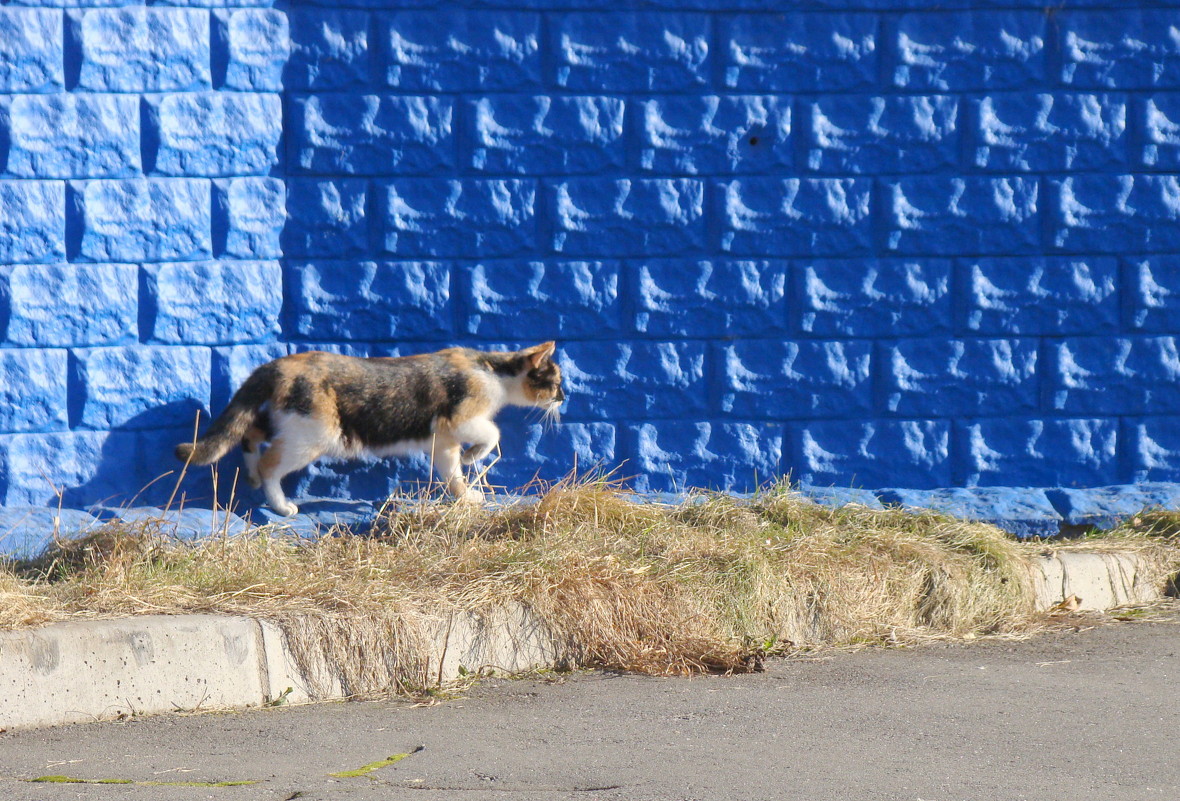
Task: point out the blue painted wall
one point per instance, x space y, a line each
867 242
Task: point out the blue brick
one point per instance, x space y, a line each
538 135
838 497
906 453
790 52
710 298
257 44
458 51
1153 446
141 49
1104 507
875 298
596 216
635 51
1041 296
1161 132
1022 511
213 133
138 387
26 532
561 300
870 135
1038 453
32 390
441 218
613 380
938 377
348 134
140 220
1108 375
1116 213
975 50
250 217
210 303
550 454
188 523
786 380
32 221
328 218
793 216
70 135
1035 133
1124 49
31 48
707 134
51 469
1153 290
232 365
385 301
678 456
43 305
329 49
957 216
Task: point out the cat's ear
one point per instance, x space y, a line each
539 354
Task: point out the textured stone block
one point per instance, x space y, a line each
787 380
545 135
959 51
1161 132
615 380
1022 511
26 532
847 453
138 387
794 216
874 298
677 456
333 134
69 136
249 217
634 51
253 46
212 133
232 365
596 216
474 218
32 221
710 298
937 377
31 48
32 390
139 220
545 301
791 52
550 454
461 50
1108 375
1104 507
1153 448
140 49
953 216
838 497
1153 293
326 218
1038 453
329 49
706 134
384 301
1040 296
1116 213
858 134
212 303
1125 48
44 305
1035 133
71 468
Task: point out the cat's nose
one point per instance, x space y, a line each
560 395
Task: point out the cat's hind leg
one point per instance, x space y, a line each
300 441
252 454
483 436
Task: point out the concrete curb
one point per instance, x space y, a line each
105 669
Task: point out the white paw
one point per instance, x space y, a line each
286 508
472 495
474 453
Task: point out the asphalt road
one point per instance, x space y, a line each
1073 714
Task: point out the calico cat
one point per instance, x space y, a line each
321 404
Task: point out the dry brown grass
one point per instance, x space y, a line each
713 583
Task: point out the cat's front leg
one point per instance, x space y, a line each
483 435
448 463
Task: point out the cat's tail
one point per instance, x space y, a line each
231 426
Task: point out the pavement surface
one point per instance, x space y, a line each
1088 711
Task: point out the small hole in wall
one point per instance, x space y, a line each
753 140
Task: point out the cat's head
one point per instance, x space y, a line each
541 378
